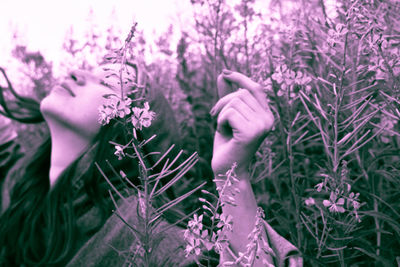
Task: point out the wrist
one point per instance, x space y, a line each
241 171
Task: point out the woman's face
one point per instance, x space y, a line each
74 104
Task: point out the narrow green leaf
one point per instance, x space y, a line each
353 148
163 156
355 102
352 134
178 176
177 200
108 181
361 90
300 138
354 115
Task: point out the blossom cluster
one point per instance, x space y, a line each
195 236
198 238
226 186
336 35
257 246
340 197
287 79
115 107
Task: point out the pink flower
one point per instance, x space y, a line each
196 224
142 117
104 116
193 246
278 76
334 204
319 186
309 201
114 107
225 222
353 200
123 107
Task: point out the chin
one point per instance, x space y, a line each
46 104
58 116
51 106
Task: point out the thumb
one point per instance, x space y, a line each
224 86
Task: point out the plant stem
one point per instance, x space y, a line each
338 100
293 186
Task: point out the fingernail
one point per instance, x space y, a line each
212 112
226 72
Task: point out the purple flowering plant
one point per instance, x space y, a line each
131 108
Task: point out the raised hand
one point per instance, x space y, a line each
244 119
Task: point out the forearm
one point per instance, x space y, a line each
243 217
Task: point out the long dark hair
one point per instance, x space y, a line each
39 225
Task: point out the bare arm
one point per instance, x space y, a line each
244 119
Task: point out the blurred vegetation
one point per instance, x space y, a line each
332 74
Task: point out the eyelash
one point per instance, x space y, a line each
102 82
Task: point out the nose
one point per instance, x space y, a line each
78 78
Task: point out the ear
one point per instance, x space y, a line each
224 86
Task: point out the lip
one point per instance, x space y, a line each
65 86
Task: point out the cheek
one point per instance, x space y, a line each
86 113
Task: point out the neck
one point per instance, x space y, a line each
66 147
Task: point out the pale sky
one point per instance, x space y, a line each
42 24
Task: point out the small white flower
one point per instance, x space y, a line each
114 107
279 74
119 152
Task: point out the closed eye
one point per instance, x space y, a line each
102 82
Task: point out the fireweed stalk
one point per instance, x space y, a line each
200 237
135 116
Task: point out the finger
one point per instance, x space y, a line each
230 121
224 86
245 82
240 106
262 120
242 94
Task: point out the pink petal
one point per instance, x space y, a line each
340 201
326 203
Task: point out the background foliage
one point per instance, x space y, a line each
328 174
